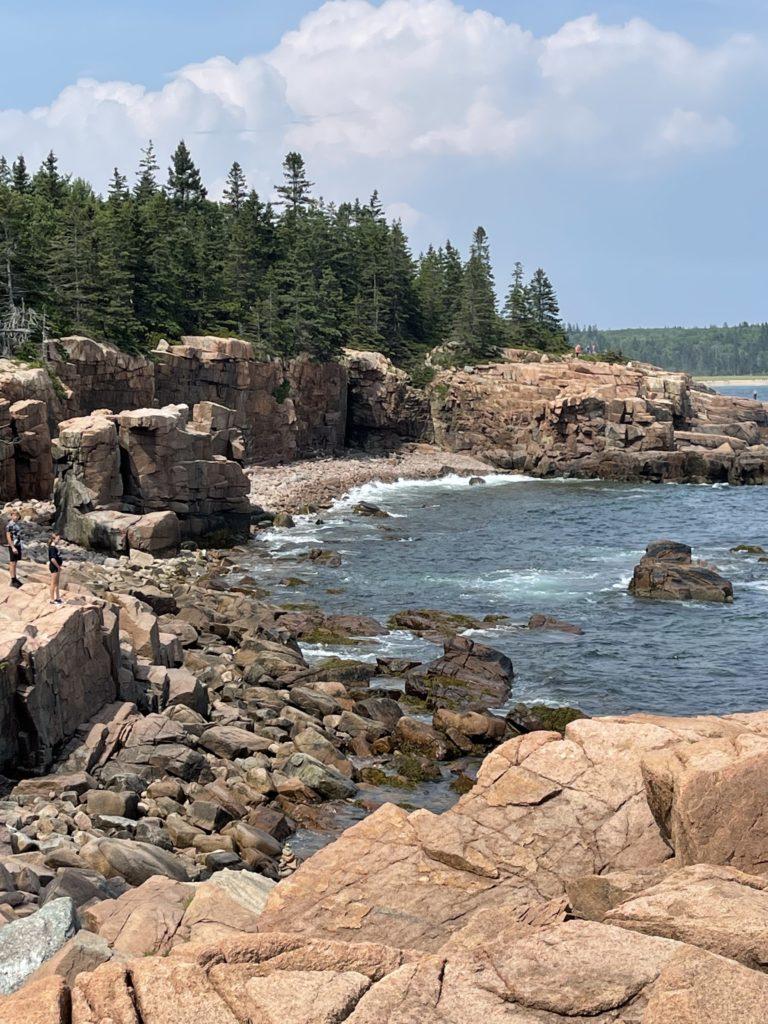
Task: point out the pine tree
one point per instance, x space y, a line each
48 183
237 189
296 191
545 313
146 180
475 336
185 185
517 312
5 173
19 175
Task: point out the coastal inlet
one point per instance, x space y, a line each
516 546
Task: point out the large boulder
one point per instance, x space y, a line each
58 667
668 573
553 973
715 908
147 478
133 861
709 801
26 944
468 676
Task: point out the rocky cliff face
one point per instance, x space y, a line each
383 407
581 418
96 375
284 409
149 478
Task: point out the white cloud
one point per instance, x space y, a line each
410 81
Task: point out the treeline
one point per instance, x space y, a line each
160 259
706 351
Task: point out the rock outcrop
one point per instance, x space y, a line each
98 375
26 465
667 572
58 666
284 409
552 416
571 417
383 407
149 478
547 893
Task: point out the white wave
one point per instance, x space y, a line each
381 490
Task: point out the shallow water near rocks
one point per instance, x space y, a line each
517 546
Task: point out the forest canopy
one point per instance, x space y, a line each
157 257
706 351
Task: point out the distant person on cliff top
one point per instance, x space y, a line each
13 540
754 395
577 351
55 562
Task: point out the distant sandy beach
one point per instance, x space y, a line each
714 382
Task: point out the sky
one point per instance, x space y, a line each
620 145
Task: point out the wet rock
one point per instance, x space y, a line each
26 945
532 717
549 622
429 622
366 509
321 556
468 676
283 520
413 736
668 573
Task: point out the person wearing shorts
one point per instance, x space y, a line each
13 540
55 562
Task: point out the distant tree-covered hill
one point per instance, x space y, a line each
730 351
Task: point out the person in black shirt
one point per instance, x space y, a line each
55 562
13 540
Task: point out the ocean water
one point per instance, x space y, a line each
745 391
516 546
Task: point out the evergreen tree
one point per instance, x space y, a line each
142 262
146 180
547 326
296 191
517 312
19 175
48 183
185 186
475 336
237 189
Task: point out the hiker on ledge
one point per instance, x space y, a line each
13 540
55 562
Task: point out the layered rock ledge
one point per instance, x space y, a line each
585 877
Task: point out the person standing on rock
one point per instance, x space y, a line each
55 562
13 540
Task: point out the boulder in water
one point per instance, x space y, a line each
667 572
541 621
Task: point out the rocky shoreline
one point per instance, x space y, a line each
318 482
164 735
